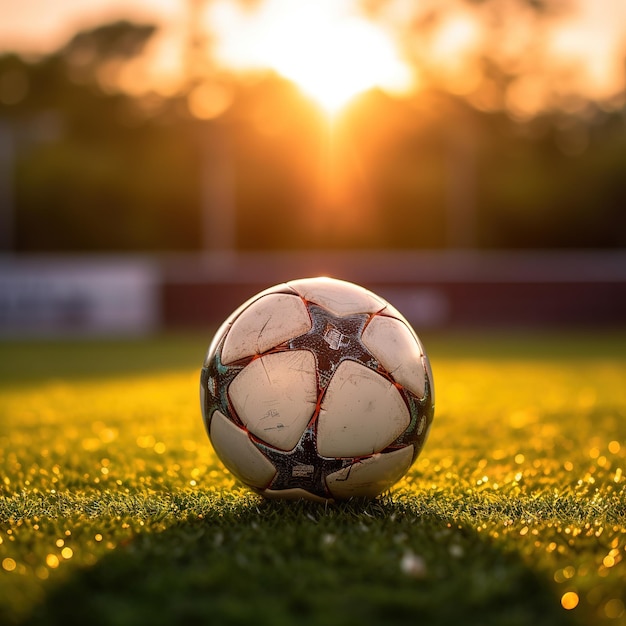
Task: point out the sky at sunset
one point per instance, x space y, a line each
41 25
594 37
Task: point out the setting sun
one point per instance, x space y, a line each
332 54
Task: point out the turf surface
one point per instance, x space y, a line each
114 509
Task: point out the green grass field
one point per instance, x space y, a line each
114 509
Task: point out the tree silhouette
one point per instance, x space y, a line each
92 168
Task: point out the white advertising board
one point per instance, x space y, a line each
45 296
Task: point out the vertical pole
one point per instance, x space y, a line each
197 41
461 227
7 197
217 196
218 184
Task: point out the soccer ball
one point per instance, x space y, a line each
317 388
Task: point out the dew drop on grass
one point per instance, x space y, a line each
42 573
614 609
52 561
67 553
9 564
569 600
614 447
608 561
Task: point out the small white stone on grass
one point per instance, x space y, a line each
413 565
456 551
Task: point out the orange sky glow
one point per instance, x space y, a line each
327 48
331 49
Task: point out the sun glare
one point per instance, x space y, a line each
331 53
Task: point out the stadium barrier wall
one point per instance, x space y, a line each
135 294
432 289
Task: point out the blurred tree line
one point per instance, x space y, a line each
86 167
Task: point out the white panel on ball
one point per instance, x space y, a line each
361 413
275 396
371 476
266 323
339 297
238 453
396 349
